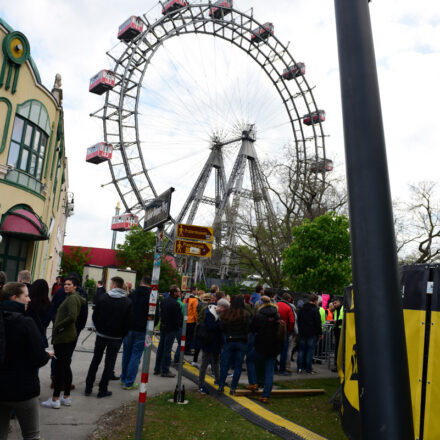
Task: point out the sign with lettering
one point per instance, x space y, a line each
157 211
194 232
192 248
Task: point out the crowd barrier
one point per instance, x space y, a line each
325 349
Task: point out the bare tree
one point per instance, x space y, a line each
298 193
423 224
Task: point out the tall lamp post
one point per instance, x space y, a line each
385 400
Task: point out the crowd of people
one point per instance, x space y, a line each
259 329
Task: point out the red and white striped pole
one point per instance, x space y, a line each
149 334
178 394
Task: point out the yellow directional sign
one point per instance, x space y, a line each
193 248
194 232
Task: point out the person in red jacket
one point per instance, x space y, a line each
287 316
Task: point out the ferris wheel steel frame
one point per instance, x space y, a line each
119 115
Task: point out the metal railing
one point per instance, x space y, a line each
325 349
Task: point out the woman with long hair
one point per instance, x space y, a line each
236 327
39 307
23 355
64 336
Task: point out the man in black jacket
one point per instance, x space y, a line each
310 330
112 320
24 354
171 320
134 342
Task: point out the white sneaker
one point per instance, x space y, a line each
66 401
195 364
49 403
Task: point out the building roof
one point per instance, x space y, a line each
107 257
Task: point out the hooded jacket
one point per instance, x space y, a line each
139 311
265 325
309 321
64 328
212 330
24 354
112 314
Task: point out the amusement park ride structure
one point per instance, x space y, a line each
121 144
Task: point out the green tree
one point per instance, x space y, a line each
74 260
318 259
137 252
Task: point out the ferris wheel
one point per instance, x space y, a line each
174 107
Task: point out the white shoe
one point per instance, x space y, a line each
66 401
49 403
195 364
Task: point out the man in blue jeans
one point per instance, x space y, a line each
171 319
134 342
310 330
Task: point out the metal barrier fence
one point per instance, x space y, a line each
325 349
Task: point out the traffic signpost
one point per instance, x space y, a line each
157 213
193 248
193 232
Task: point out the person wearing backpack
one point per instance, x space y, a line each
22 353
270 333
202 306
211 341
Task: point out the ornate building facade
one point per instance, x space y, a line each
34 197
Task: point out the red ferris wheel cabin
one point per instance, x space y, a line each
130 28
294 71
98 153
221 8
262 33
314 117
102 81
321 166
124 222
172 6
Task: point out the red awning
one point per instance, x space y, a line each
22 222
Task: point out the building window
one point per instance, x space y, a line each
13 253
28 147
29 141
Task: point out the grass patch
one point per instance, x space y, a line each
204 418
311 412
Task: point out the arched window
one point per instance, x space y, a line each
29 138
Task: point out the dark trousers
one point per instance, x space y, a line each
52 361
189 336
111 347
163 354
337 332
62 370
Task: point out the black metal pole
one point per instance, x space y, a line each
385 399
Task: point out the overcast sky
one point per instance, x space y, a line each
71 38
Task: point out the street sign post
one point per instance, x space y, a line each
193 248
193 232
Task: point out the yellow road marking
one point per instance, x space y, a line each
259 410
